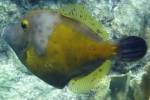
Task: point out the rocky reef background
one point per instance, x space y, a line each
126 81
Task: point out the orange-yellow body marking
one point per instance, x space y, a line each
67 50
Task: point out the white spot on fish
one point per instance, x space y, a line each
42 25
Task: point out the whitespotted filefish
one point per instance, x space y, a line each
61 45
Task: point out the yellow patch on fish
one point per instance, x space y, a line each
64 49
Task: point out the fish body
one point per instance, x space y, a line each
58 48
64 48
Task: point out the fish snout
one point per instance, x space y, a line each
14 36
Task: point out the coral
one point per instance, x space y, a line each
9 12
145 84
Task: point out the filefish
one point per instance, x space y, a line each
60 45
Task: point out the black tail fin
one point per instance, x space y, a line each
132 48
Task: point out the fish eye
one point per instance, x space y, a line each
24 24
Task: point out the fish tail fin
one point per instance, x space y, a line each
131 48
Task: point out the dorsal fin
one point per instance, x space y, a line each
81 27
80 13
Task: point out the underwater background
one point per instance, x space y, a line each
126 81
